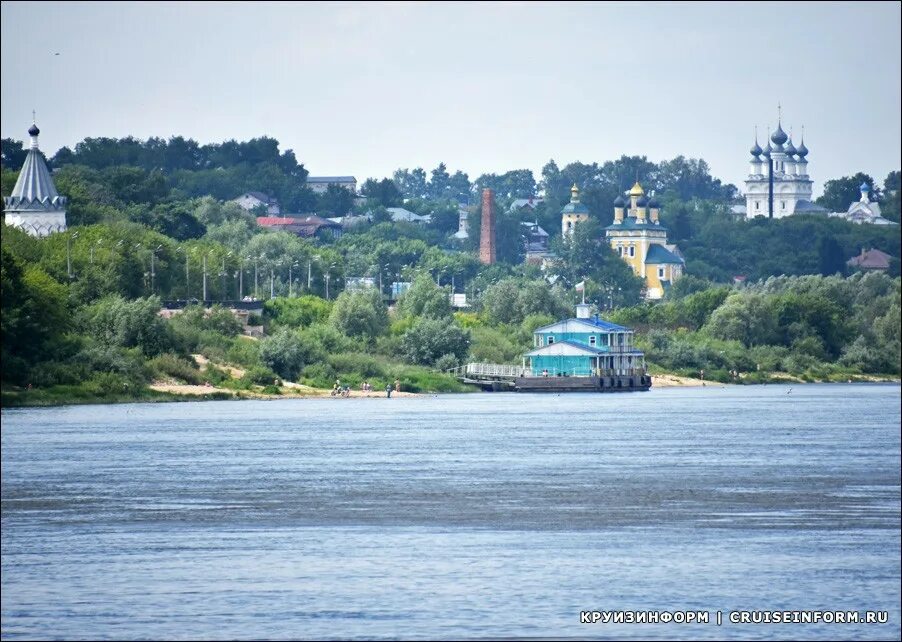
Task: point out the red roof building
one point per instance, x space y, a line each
870 260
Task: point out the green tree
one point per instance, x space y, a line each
128 324
831 257
360 314
425 299
430 339
287 352
297 312
839 193
335 201
12 154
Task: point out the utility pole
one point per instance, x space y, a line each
224 293
255 276
187 282
205 277
326 276
272 279
241 281
309 274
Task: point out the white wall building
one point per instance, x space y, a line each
792 187
250 201
320 184
864 210
34 204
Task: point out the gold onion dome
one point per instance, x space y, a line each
637 190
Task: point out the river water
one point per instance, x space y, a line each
457 516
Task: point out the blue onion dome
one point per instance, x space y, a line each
33 130
641 201
767 150
619 202
802 151
864 187
755 150
790 148
653 203
779 137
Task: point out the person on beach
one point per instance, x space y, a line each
397 386
388 391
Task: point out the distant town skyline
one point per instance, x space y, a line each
366 88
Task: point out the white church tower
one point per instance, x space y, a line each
792 187
34 205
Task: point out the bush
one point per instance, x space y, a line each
260 376
51 373
429 339
288 351
170 365
360 314
115 321
446 362
244 352
297 313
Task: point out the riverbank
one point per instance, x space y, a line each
235 387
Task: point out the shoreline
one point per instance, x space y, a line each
169 392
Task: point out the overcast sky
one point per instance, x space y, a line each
363 89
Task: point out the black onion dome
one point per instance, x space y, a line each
619 202
779 137
653 203
641 201
33 130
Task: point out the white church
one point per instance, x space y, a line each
792 187
34 205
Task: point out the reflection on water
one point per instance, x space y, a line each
452 516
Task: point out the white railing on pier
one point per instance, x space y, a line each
495 370
506 371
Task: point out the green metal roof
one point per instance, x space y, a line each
660 254
575 208
629 223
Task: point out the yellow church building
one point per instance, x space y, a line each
639 238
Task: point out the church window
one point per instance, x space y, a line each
661 272
757 204
782 205
632 251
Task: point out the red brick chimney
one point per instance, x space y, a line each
487 233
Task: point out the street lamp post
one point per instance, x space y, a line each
96 243
153 271
205 275
69 238
290 281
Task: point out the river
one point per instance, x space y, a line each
454 516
